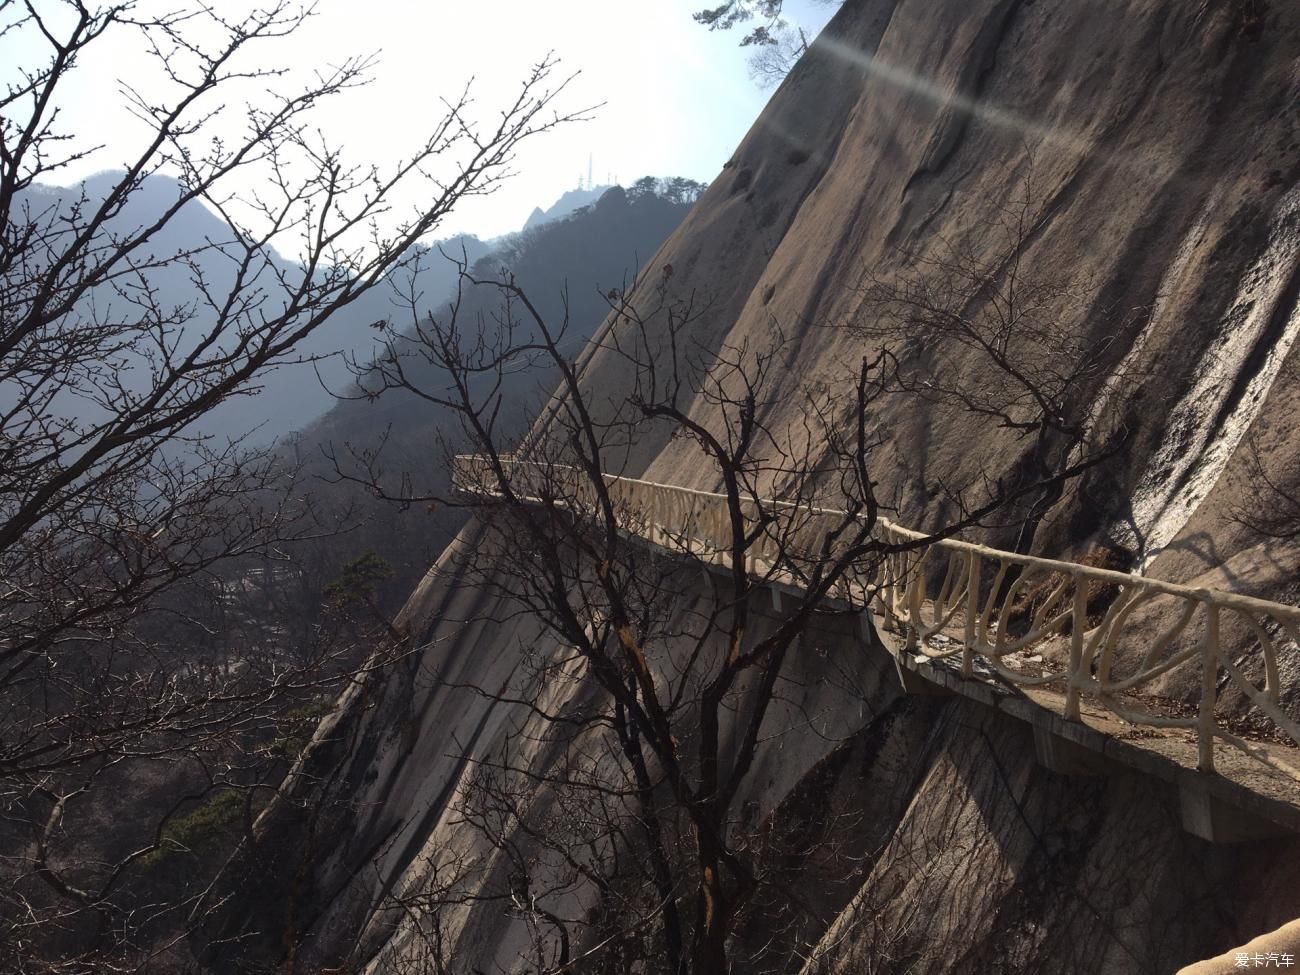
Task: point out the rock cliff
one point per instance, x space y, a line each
1161 139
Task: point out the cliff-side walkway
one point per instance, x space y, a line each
1078 652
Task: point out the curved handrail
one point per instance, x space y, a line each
973 611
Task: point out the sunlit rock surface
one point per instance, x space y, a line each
1165 145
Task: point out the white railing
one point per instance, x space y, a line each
1036 622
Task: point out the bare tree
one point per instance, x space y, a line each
1270 506
776 54
117 510
658 706
777 44
974 326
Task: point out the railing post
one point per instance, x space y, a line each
915 599
1272 685
889 574
1078 626
888 570
1209 687
972 611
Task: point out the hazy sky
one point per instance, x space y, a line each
677 98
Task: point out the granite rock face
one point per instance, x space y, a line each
1162 139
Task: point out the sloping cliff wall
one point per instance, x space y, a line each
1162 142
925 836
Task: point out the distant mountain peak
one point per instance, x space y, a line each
565 205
